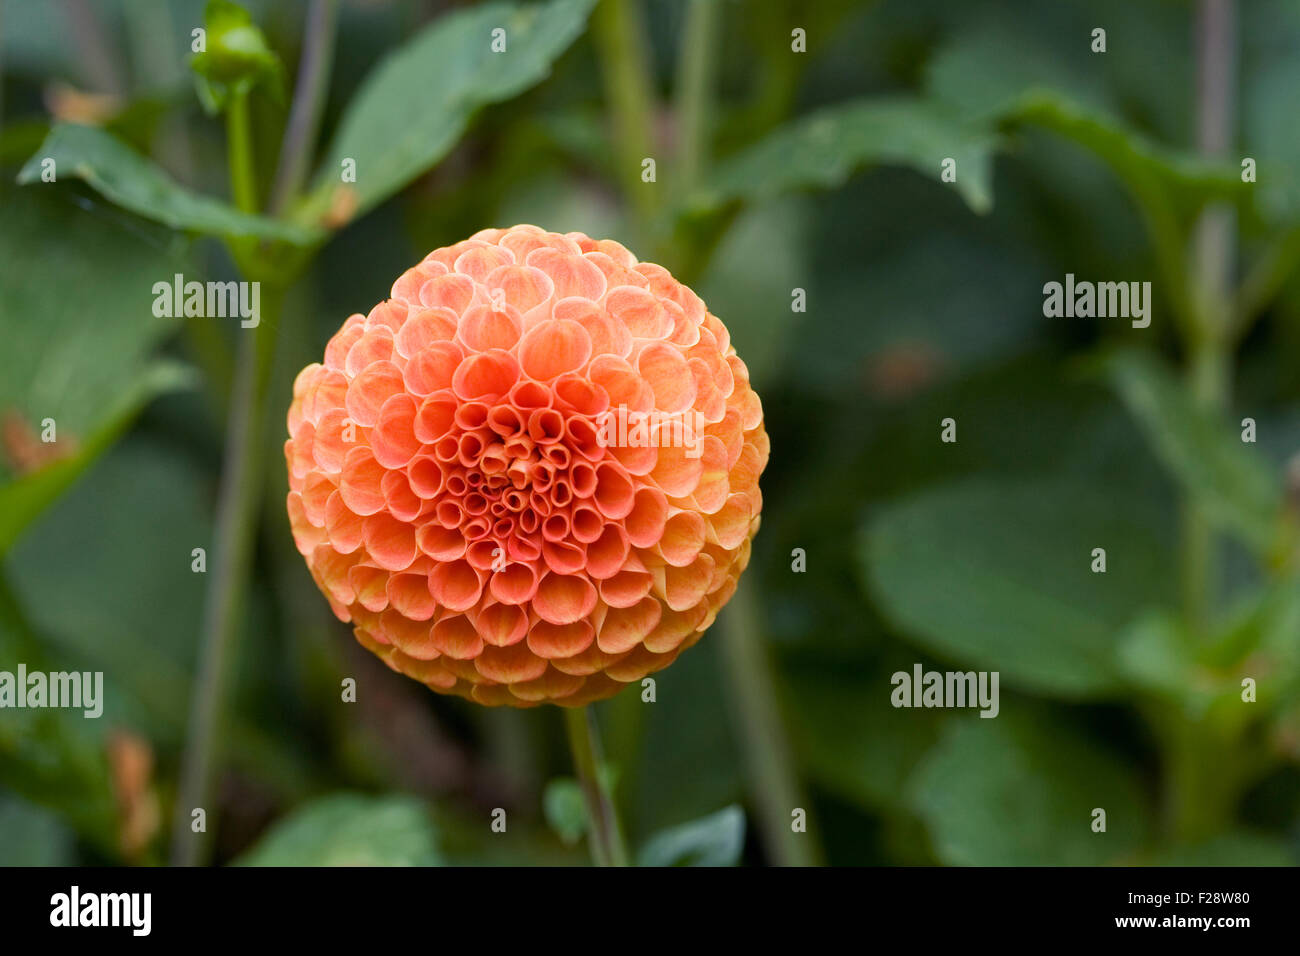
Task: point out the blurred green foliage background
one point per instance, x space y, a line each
776 170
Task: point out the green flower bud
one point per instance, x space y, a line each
235 59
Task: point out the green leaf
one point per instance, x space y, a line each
715 840
133 182
565 809
1134 157
31 836
53 757
1230 481
1020 790
26 497
1235 848
853 742
350 830
1003 75
755 303
79 289
997 575
416 104
136 608
824 149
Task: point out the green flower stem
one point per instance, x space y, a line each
604 835
1210 358
773 784
619 31
695 92
1200 783
239 154
240 495
238 502
308 103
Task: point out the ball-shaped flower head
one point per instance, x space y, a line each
532 474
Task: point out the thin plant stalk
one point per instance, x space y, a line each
619 31
603 832
694 106
1201 787
308 103
237 505
239 498
773 783
1210 359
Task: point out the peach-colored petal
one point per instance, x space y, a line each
564 598
552 348
683 538
552 641
439 543
360 484
615 494
373 386
393 440
454 635
487 375
502 625
454 292
432 368
511 664
571 274
425 328
409 596
677 471
624 628
390 542
523 287
455 585
668 375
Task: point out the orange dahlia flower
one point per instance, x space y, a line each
532 474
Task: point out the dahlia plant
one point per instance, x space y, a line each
531 474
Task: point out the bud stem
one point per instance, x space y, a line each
603 832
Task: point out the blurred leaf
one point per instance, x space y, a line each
1269 133
350 830
1235 848
986 68
565 809
997 74
30 836
853 741
74 288
416 104
136 605
715 840
53 757
1227 478
689 761
133 182
466 839
1134 158
1020 790
755 302
824 149
997 575
23 499
1156 654
922 309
